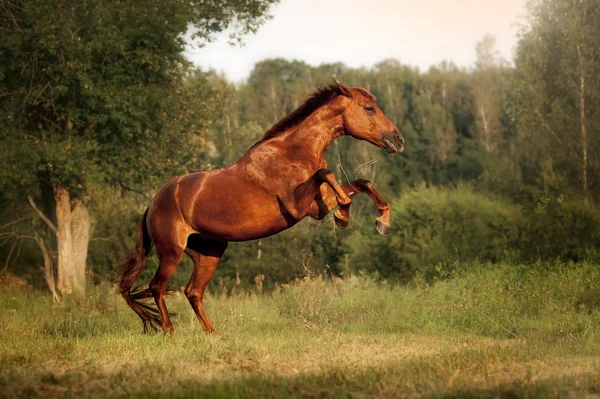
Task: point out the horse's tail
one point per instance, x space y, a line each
128 271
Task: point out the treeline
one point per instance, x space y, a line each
500 161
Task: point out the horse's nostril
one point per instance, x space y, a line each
400 140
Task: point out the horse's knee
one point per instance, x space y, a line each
192 295
325 174
191 292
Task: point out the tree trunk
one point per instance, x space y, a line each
63 240
48 268
582 122
486 129
80 227
72 238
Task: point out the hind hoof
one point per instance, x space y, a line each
382 228
340 222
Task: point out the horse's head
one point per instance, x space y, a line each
364 120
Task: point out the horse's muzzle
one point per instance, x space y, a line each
393 142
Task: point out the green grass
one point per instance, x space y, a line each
493 331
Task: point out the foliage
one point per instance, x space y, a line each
92 90
436 227
553 97
560 228
92 97
493 168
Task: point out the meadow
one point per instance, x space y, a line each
484 330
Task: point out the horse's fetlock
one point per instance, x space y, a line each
345 202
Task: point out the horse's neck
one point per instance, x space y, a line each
314 134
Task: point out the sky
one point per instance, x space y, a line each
361 33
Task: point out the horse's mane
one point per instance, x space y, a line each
319 98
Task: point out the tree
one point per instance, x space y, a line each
489 92
554 98
91 93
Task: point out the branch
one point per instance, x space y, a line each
48 268
110 238
10 16
13 222
360 167
133 190
549 129
16 236
12 249
18 239
41 215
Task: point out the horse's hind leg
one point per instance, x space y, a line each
206 255
169 259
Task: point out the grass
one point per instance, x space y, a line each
493 331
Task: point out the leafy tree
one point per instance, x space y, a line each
489 91
91 93
554 99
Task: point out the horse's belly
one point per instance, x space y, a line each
239 223
233 211
240 226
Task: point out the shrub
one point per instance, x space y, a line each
435 227
560 229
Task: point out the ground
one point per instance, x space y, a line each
356 338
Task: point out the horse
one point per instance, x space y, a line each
280 180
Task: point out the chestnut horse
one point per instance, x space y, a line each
279 181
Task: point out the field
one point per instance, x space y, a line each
487 331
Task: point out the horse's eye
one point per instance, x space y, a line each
369 109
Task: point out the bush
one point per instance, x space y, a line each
560 229
435 227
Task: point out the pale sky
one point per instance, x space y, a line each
361 33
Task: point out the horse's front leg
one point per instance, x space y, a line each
382 223
327 202
306 193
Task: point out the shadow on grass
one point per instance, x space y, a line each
372 384
431 376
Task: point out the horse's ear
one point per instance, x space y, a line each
345 90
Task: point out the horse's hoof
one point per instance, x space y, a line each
168 330
382 228
339 222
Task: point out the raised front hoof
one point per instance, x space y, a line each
382 228
341 223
